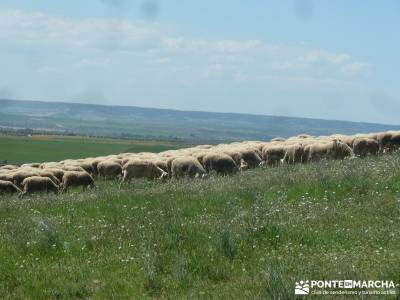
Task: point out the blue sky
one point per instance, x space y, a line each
324 59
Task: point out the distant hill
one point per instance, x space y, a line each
165 124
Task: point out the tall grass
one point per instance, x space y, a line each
251 235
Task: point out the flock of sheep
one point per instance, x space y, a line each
195 162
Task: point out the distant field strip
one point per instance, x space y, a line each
19 150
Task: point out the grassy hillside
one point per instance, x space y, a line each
251 235
18 150
164 124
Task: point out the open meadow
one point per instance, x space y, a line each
248 235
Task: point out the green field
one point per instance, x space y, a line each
247 236
19 150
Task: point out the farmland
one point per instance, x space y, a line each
19 150
249 235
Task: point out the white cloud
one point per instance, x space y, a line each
318 56
95 61
355 68
52 33
38 29
142 64
285 65
163 60
310 58
339 58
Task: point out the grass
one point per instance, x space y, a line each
251 235
19 150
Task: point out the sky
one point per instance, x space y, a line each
306 58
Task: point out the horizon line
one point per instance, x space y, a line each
200 111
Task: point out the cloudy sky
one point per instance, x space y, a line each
326 59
